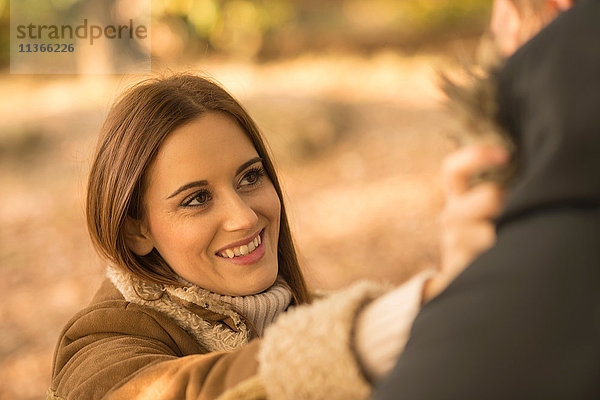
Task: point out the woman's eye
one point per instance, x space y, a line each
198 200
252 177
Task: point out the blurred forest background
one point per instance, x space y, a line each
345 93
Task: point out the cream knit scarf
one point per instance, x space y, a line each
259 310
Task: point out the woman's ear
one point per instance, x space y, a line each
137 237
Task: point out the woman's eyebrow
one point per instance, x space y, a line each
247 164
205 183
188 186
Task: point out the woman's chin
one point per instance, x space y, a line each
259 286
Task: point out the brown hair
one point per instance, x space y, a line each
133 131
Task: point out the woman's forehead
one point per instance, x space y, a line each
210 145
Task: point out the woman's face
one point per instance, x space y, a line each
210 209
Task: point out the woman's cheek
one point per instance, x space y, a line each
273 211
181 241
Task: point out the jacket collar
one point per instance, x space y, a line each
213 323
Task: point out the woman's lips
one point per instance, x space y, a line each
245 254
232 247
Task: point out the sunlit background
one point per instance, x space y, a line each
345 93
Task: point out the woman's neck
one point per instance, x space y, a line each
260 309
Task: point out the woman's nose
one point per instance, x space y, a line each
238 215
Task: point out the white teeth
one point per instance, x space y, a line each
242 250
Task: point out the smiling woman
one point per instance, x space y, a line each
167 167
185 205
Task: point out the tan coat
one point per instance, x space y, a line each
117 349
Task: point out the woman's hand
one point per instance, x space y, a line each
467 218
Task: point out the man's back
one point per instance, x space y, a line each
523 321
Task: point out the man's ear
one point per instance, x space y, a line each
558 6
137 237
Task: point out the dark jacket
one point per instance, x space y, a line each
523 321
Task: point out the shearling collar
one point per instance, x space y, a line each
215 324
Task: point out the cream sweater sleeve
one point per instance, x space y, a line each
308 352
383 326
334 347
